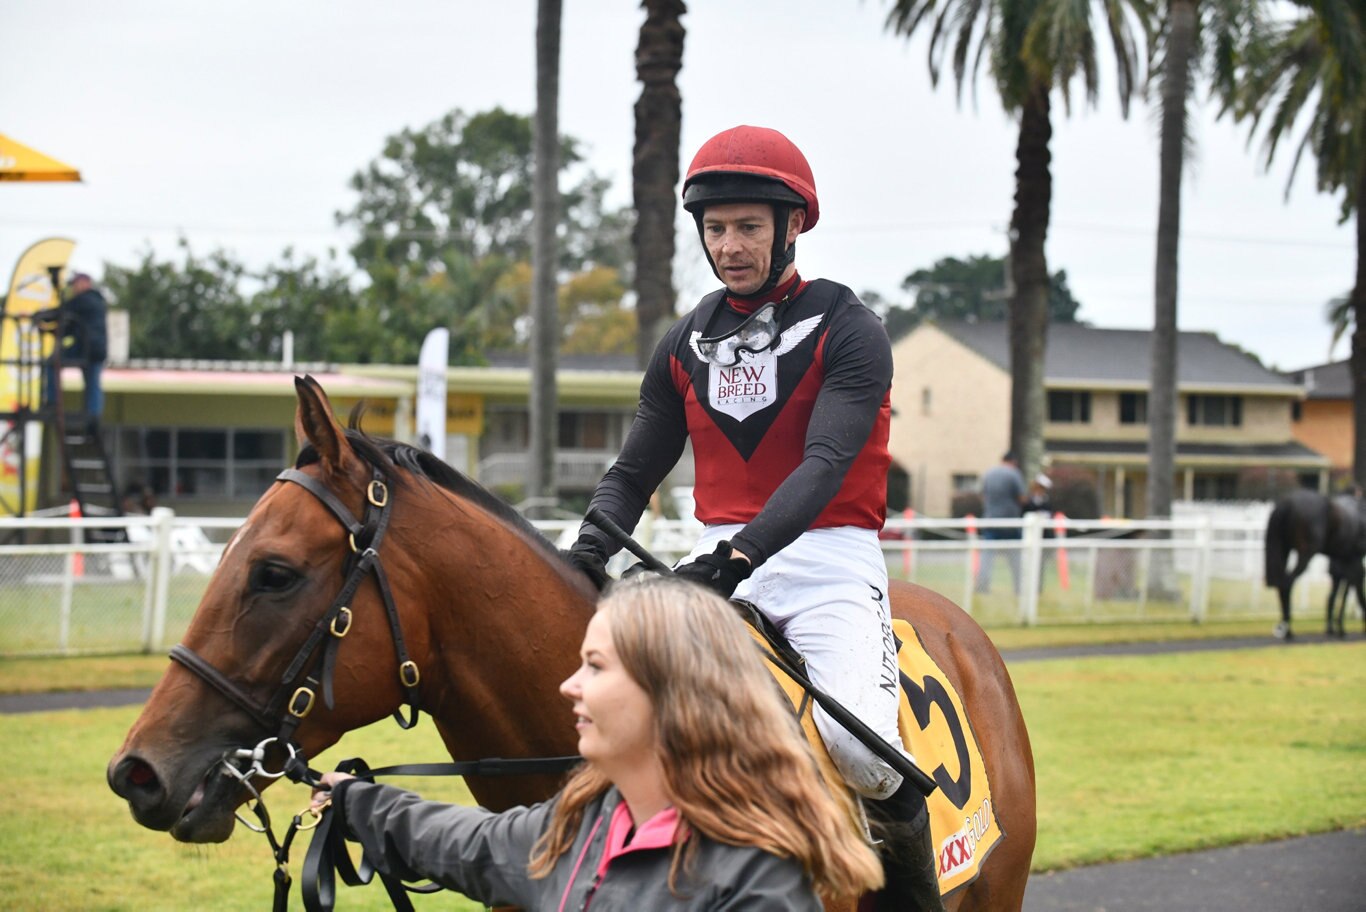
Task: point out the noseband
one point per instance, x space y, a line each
294 698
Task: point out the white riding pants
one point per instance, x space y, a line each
827 593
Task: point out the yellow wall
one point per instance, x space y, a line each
964 429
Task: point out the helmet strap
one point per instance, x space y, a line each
782 256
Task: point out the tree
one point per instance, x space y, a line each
1315 65
309 299
464 183
544 259
445 216
972 289
193 309
659 116
1195 38
1035 46
592 318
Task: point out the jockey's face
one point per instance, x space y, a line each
739 238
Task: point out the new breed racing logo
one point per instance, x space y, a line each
751 383
960 848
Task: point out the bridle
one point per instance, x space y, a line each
296 695
294 699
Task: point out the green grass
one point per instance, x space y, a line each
36 675
116 672
1170 753
1136 756
73 846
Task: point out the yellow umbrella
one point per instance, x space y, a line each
20 163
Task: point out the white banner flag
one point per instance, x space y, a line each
431 391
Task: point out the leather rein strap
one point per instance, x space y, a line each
327 855
293 701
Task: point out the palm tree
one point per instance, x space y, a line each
1035 46
659 116
545 196
1195 37
1315 64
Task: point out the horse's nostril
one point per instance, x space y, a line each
134 779
141 775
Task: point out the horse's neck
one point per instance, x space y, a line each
504 628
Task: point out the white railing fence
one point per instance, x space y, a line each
62 593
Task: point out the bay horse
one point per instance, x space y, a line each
471 608
1308 523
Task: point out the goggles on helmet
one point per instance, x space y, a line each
759 333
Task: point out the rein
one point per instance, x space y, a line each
287 709
327 855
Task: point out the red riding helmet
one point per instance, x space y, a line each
747 165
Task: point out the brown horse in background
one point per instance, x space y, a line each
489 620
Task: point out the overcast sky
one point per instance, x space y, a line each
239 124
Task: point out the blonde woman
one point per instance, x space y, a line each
698 790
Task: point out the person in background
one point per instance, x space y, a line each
1039 500
1039 497
698 790
81 324
138 498
1003 497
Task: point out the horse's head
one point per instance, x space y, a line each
296 580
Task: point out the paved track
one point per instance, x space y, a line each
1324 873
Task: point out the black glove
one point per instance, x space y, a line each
717 571
590 564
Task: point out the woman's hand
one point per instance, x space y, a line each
323 794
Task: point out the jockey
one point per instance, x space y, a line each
782 385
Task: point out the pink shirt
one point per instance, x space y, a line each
655 833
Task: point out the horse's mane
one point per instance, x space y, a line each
384 454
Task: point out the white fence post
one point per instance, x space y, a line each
154 625
69 589
969 571
1033 567
1202 572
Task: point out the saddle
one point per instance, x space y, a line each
934 729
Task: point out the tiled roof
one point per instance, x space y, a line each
1325 381
1088 355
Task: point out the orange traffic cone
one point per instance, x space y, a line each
77 559
972 536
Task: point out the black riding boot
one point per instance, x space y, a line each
902 822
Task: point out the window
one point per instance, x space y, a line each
1069 407
1133 408
1215 487
585 431
1214 411
190 463
507 430
1297 411
964 482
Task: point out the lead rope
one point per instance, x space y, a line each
327 856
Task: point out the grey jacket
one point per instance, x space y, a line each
484 856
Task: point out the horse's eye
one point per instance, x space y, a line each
267 577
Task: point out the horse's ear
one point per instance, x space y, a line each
315 423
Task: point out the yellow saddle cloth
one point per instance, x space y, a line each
937 732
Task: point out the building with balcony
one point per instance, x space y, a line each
951 407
